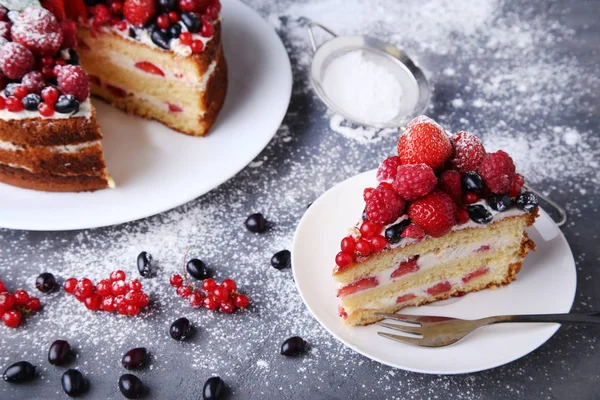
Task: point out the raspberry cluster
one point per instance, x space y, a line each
110 295
431 186
212 296
14 305
34 74
185 20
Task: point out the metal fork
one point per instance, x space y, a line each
431 331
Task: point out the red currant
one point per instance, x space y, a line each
363 247
212 12
188 5
176 280
84 288
33 304
173 16
343 259
2 287
93 302
197 46
229 285
143 300
21 297
208 28
20 91
70 285
370 229
378 243
227 307
45 110
13 104
209 285
185 38
122 308
103 288
216 4
50 95
116 8
132 309
211 303
221 294
470 198
117 275
108 304
163 21
131 297
348 245
184 291
118 288
2 103
241 300
11 318
135 285
7 301
196 299
48 72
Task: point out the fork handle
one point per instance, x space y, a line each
565 319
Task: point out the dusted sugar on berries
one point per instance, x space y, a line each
38 30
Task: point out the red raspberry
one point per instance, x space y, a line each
116 8
73 80
414 181
384 206
414 232
38 30
34 82
450 182
498 171
3 13
101 15
462 215
138 12
435 213
16 60
388 169
5 30
193 5
69 31
468 152
424 142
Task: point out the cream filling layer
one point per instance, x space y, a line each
69 148
102 173
85 111
432 259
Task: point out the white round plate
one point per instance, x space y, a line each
546 284
157 169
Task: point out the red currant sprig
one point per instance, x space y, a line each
14 306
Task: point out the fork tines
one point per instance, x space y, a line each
409 319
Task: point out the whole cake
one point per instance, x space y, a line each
446 218
157 59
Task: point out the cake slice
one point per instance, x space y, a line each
49 136
444 219
159 60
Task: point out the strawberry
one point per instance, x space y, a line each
138 12
498 171
149 68
406 267
440 288
468 152
414 181
357 286
406 297
435 213
424 142
475 274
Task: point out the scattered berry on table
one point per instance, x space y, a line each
180 329
213 389
45 282
256 223
197 269
59 352
21 371
281 260
293 346
144 264
135 358
131 386
73 383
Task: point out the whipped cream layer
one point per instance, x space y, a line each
69 148
85 111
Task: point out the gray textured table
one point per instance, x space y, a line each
523 75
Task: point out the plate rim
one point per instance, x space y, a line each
72 225
551 330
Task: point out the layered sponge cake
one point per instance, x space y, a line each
445 218
161 60
49 137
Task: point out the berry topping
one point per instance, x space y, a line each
472 182
435 213
144 264
293 347
34 82
500 202
393 234
413 231
193 5
498 171
45 282
462 215
15 60
174 31
256 223
13 104
378 243
16 90
160 38
354 287
384 206
363 248
191 22
185 38
38 30
163 21
424 142
348 245
527 201
66 104
479 214
414 181
101 15
470 198
5 30
149 68
343 259
197 46
369 229
281 260
21 371
451 183
74 81
59 352
31 101
208 29
138 12
468 152
406 267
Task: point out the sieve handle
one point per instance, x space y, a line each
311 35
561 211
